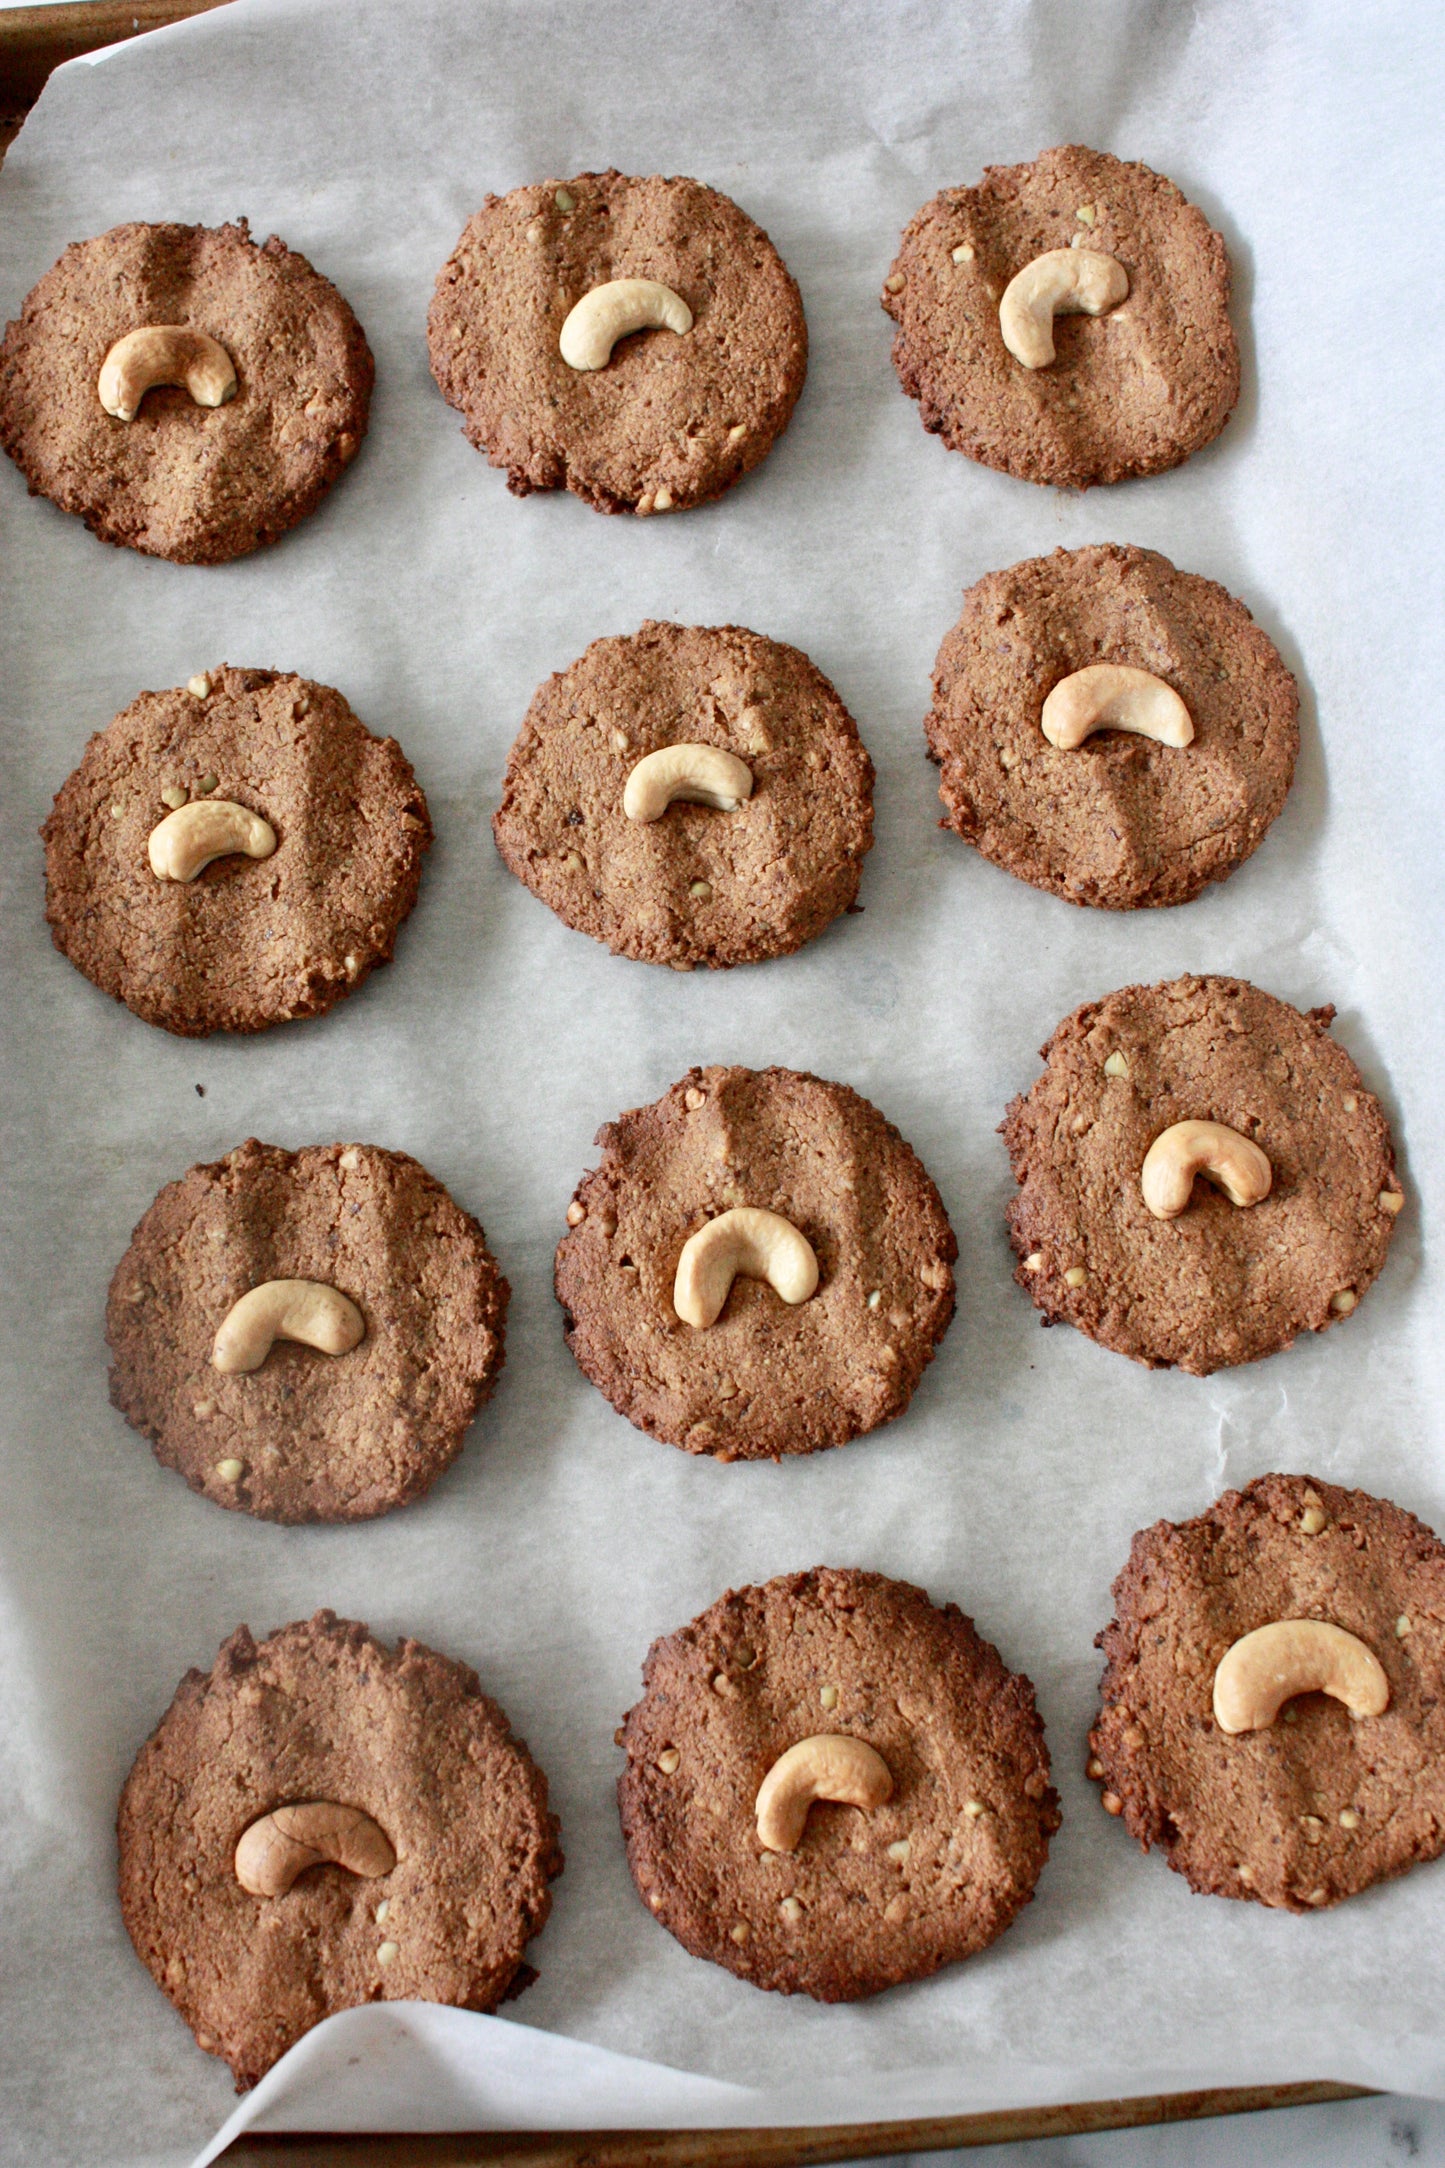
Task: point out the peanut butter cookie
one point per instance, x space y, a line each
679 385
323 1821
1133 389
1273 1711
759 1267
834 1785
188 392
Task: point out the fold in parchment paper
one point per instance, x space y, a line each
563 1541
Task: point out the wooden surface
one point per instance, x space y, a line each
33 40
766 2148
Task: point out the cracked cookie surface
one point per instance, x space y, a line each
1131 392
1121 820
198 485
674 418
248 942
1220 1284
869 1898
320 1710
1317 1805
699 885
768 1379
308 1436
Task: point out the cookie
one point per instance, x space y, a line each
333 1427
671 417
873 1693
1313 1804
197 483
247 941
1216 1282
1120 819
661 878
1131 391
771 1375
424 1882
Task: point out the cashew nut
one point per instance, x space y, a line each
760 1245
698 774
1113 696
610 312
284 1843
305 1310
185 842
831 1766
1062 282
1265 1669
1225 1158
164 354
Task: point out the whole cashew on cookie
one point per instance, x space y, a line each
1231 1162
698 774
759 1245
186 841
284 1843
1062 282
1114 696
830 1766
304 1310
613 311
164 354
1265 1669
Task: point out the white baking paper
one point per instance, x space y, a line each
564 1541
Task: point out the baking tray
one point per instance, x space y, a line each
33 41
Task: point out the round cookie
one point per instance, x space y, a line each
1130 392
673 418
697 885
869 1897
308 1436
321 1712
1220 1283
768 1378
1120 820
1318 1805
248 942
196 484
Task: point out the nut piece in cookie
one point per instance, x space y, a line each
639 342
1109 728
234 853
1066 321
189 393
834 1785
759 1267
1288 1220
322 1821
689 795
306 1335
1273 1708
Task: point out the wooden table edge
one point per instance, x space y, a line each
33 40
778 2148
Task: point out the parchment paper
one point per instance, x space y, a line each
564 1541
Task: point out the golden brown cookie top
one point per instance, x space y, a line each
1216 1282
774 1373
619 849
321 1714
868 1895
1318 1803
1122 818
331 1428
673 417
1131 391
318 869
196 483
